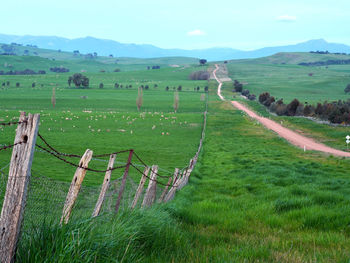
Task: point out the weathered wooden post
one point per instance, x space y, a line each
17 185
150 194
161 198
140 187
171 193
105 185
122 186
75 186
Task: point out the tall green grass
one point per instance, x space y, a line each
129 236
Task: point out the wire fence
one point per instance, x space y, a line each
46 197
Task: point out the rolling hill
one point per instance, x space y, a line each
110 47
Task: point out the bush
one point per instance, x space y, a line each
237 86
292 107
251 97
245 92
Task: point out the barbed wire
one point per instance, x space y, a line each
76 155
11 123
79 166
145 165
137 169
11 145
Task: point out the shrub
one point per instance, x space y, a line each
238 86
251 97
292 107
245 92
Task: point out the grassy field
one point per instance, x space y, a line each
108 118
256 198
289 81
252 197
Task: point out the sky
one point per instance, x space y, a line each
187 24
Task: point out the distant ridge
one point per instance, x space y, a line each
106 47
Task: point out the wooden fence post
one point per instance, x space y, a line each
17 186
171 193
171 178
122 186
105 185
140 187
75 186
150 194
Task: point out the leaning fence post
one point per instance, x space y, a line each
140 187
122 186
75 186
171 193
105 186
161 198
150 194
17 185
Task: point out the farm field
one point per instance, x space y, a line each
252 196
290 81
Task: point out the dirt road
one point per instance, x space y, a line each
291 136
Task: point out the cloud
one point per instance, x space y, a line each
196 32
286 18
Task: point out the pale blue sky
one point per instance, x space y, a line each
246 24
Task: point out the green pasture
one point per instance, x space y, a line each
291 81
106 120
256 198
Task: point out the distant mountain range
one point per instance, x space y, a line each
106 47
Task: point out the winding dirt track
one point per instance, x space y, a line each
291 136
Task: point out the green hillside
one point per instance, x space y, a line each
293 58
28 57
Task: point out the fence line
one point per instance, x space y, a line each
174 181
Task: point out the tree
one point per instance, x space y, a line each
101 86
179 88
80 80
292 107
198 88
238 86
33 85
167 88
18 84
70 79
202 61
206 88
116 85
347 89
